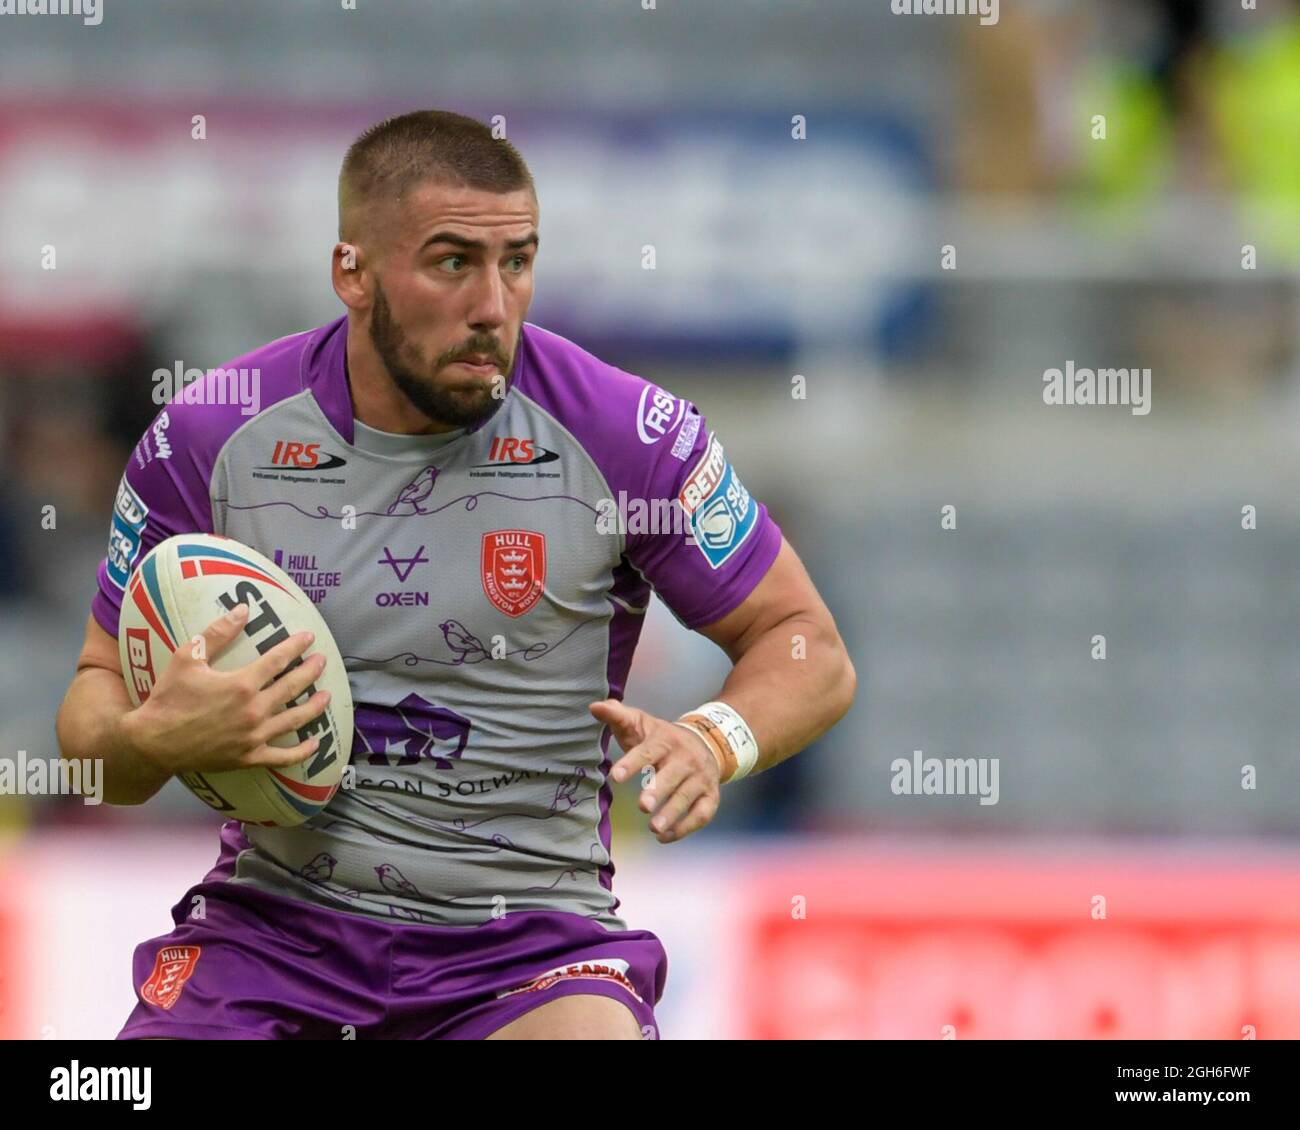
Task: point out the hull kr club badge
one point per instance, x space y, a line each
173 966
514 569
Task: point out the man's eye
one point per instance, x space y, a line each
519 261
452 259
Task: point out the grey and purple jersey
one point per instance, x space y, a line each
483 586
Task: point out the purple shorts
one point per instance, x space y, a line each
259 966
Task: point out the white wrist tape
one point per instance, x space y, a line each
726 732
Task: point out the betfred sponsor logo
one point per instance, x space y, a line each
657 414
126 534
722 514
173 966
596 969
515 449
129 507
513 569
291 455
704 480
139 658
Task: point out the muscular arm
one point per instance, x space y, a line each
196 718
791 681
89 724
792 678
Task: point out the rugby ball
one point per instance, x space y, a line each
184 584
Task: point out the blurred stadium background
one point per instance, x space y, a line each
776 257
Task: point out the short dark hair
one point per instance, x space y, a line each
426 145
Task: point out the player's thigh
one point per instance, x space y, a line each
578 1016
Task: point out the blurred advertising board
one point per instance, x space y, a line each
781 939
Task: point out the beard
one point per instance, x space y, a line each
462 406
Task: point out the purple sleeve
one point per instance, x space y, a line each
163 492
721 540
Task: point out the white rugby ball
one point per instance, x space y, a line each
184 584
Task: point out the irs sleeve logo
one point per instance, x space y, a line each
721 512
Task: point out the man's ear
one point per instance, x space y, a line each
348 274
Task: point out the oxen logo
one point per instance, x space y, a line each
514 569
408 733
402 566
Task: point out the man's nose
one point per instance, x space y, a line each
489 305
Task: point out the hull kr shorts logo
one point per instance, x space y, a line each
173 966
514 569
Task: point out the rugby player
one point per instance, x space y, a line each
438 473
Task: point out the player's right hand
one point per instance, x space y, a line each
197 718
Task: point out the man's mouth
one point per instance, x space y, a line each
480 363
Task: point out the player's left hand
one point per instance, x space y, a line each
683 787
